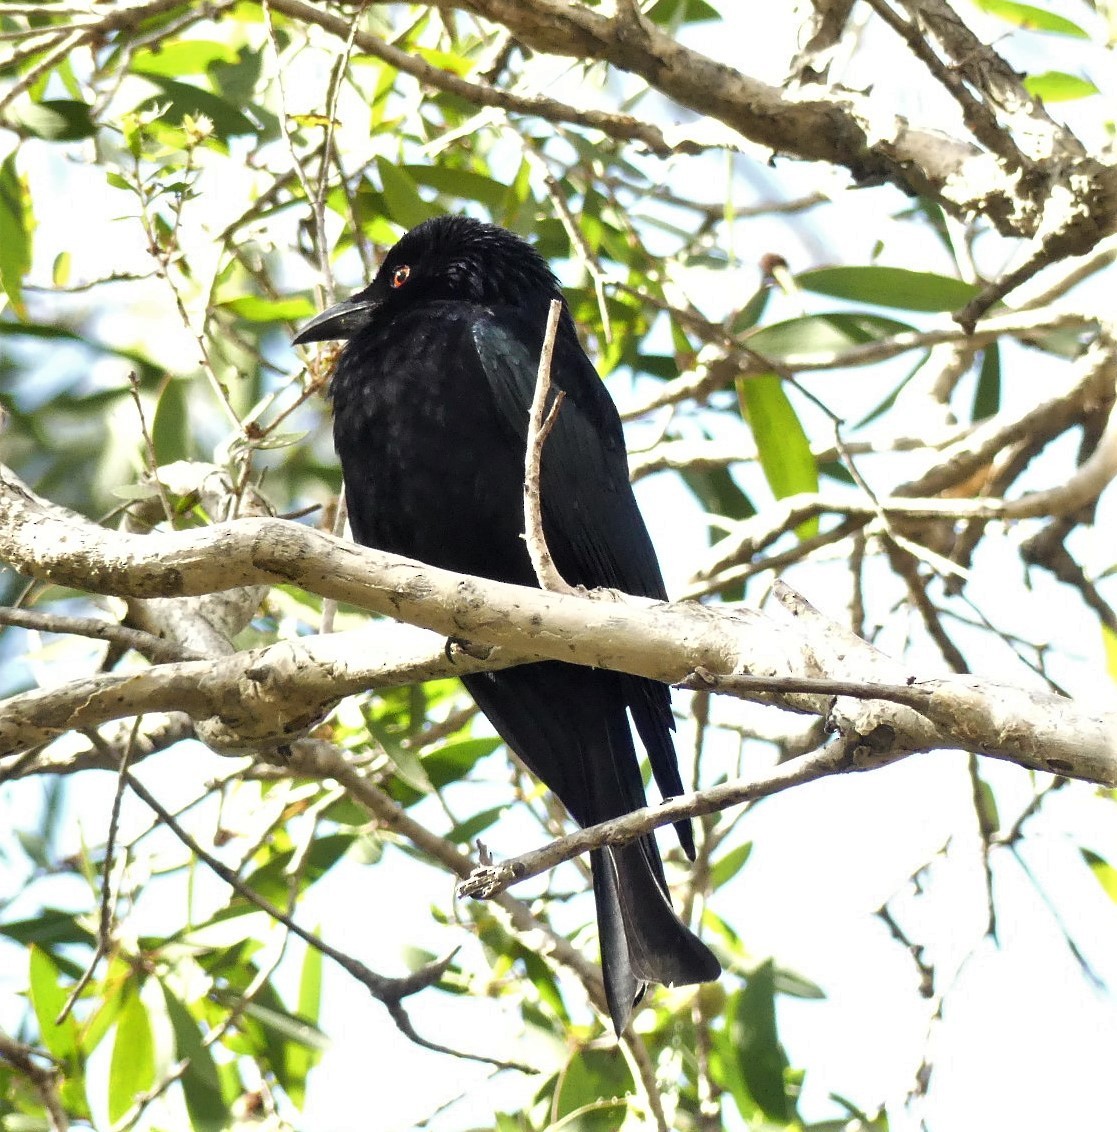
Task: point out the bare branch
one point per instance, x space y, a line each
153 647
490 880
267 696
538 429
389 991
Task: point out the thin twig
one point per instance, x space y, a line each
329 604
539 428
486 882
151 646
104 925
149 445
389 991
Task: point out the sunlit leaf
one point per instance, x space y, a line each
453 761
177 100
182 57
48 996
821 334
463 183
466 831
49 926
132 1066
1030 18
1104 872
591 1077
201 1085
289 1026
254 308
753 1042
673 12
56 119
1109 643
782 445
405 205
889 287
1058 86
300 1057
725 868
15 233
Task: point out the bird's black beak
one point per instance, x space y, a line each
339 322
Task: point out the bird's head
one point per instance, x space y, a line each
447 258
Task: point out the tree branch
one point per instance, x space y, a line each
269 695
540 422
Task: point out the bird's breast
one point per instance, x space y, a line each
431 470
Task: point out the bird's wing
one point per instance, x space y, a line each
594 529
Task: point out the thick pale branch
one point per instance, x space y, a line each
839 127
262 697
258 691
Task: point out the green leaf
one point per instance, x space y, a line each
201 1085
462 183
889 287
465 831
727 867
253 308
1030 18
1109 644
822 334
590 1077
56 119
287 1025
987 395
179 99
299 1057
132 1066
782 445
754 1044
172 58
15 233
48 996
408 765
170 430
60 272
453 761
796 985
49 926
272 879
750 314
1058 86
675 12
401 195
1103 871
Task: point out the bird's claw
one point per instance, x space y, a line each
487 881
470 648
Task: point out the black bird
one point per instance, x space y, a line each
431 400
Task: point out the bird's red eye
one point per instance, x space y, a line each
400 276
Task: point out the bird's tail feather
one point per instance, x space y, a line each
642 939
568 725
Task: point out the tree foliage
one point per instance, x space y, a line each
845 280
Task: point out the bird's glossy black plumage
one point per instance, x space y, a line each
431 399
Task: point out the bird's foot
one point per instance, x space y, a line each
487 881
455 645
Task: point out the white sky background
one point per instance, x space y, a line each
1026 1042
